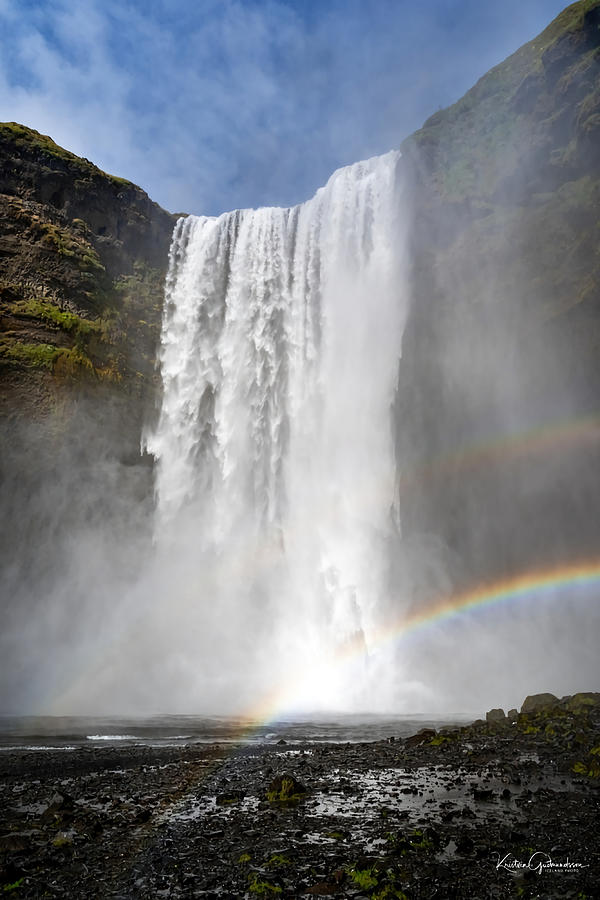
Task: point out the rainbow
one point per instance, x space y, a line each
550 438
528 586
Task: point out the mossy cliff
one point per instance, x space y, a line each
498 401
82 262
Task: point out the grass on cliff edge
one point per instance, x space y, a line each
474 143
24 138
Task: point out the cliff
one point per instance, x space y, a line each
498 404
82 262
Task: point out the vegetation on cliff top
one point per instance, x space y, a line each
473 146
29 140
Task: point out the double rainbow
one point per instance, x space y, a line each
538 585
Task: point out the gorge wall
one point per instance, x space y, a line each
497 414
83 257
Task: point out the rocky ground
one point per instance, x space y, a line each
503 808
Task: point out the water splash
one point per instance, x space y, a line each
275 468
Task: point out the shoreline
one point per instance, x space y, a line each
493 809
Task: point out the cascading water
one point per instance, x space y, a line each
275 468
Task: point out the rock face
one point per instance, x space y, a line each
82 262
498 403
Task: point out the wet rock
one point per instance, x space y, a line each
536 703
425 734
227 797
285 789
60 806
144 815
14 843
63 840
323 889
495 716
465 844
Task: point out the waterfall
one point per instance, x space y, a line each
275 468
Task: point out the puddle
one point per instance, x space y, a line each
444 793
191 808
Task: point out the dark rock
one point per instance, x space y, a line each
536 703
581 701
425 734
323 889
14 842
227 797
144 815
465 844
495 716
285 789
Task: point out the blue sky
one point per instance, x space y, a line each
211 105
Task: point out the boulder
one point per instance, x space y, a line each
495 717
512 715
580 701
425 734
537 703
285 789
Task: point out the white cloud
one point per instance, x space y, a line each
232 103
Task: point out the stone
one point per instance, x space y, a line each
536 703
285 789
425 734
227 797
495 716
580 701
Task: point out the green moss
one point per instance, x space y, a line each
71 246
27 138
61 841
32 356
286 793
91 260
419 841
364 878
244 858
63 319
439 740
262 888
277 861
73 362
15 885
474 144
590 768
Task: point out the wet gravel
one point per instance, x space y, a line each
484 811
